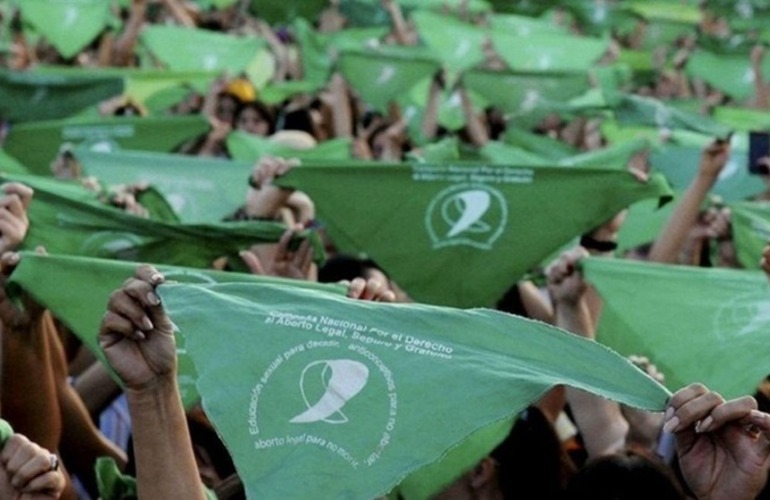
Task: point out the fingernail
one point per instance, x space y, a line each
671 424
138 335
153 299
156 278
758 416
704 425
669 414
147 324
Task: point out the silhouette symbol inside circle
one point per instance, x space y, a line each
341 379
463 212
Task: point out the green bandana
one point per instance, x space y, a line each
304 384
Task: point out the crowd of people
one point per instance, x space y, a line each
67 414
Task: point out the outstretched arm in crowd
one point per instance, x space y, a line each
263 199
674 234
137 338
600 420
123 50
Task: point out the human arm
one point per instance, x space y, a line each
179 12
279 260
123 47
761 87
263 199
401 31
600 420
673 235
137 338
723 446
477 130
430 120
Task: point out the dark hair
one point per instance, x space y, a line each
257 106
632 475
511 302
345 267
298 119
532 459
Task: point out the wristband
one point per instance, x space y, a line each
590 243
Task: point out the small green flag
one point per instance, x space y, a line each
523 25
200 190
49 278
382 76
504 154
541 145
639 110
36 144
457 44
521 93
246 147
548 52
68 219
141 84
10 165
644 223
285 11
69 25
732 74
613 156
33 96
485 223
339 392
696 324
666 11
680 165
187 49
743 119
751 230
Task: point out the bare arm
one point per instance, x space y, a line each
600 420
123 48
476 128
180 13
674 234
138 340
761 88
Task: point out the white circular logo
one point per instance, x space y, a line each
467 214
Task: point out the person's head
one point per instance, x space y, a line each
633 475
254 118
529 463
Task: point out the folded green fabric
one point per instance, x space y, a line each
338 391
484 223
696 324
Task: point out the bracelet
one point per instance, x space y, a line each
590 243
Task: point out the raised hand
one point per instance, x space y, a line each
279 260
723 446
136 335
565 282
14 223
370 289
29 472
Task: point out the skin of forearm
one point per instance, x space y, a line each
96 388
600 420
674 234
265 202
165 463
82 443
29 397
124 46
